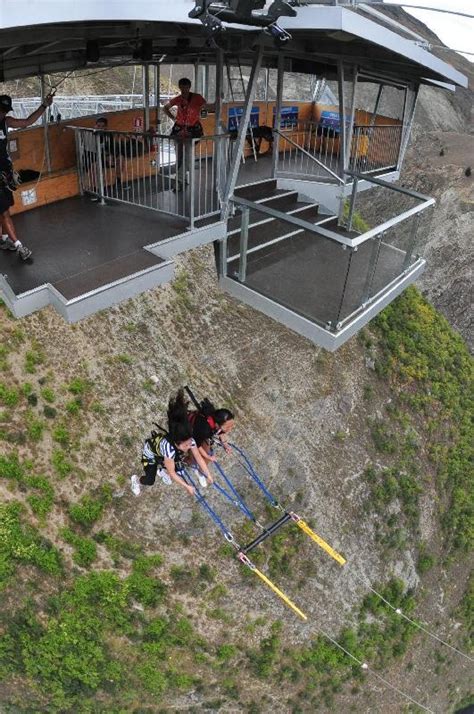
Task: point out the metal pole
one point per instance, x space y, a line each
377 104
244 240
351 119
342 117
100 169
352 205
244 122
146 96
277 120
44 121
407 133
219 153
411 242
156 78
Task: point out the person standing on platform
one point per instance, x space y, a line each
9 239
187 126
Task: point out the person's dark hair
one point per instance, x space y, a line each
5 103
222 415
184 82
179 431
102 120
179 427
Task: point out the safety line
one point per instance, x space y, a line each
416 624
251 471
366 668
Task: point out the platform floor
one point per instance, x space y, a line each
79 245
313 276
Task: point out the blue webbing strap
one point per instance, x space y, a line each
253 474
239 500
201 499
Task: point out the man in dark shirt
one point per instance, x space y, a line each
9 239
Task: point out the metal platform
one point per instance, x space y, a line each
88 256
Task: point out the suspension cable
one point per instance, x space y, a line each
408 619
366 668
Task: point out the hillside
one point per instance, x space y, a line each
116 603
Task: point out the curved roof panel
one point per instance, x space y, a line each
39 36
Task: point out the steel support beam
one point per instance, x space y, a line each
156 80
146 96
277 119
350 129
244 122
44 121
408 128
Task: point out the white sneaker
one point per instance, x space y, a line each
135 485
165 477
202 479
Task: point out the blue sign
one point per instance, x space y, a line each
235 117
331 120
288 117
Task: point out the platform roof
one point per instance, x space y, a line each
51 36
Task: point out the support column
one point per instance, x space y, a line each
44 121
407 132
350 129
342 136
278 103
156 79
243 126
342 118
146 96
219 152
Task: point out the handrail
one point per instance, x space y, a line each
307 153
332 235
147 134
391 186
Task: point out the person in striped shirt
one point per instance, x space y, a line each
169 455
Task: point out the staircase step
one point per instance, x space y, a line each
280 201
269 230
254 191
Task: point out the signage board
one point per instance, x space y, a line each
235 116
288 117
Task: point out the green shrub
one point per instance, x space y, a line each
49 412
60 462
19 544
79 386
41 503
33 358
61 435
87 511
9 396
11 468
48 395
35 429
85 549
74 406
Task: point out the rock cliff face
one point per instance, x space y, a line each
440 152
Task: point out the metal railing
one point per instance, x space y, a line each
309 151
337 272
312 151
181 177
375 148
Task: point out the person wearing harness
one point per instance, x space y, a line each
187 126
209 425
9 239
168 454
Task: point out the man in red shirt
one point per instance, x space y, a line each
187 125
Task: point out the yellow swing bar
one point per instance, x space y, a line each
317 539
246 561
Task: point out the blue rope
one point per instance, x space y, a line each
201 499
239 500
253 474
